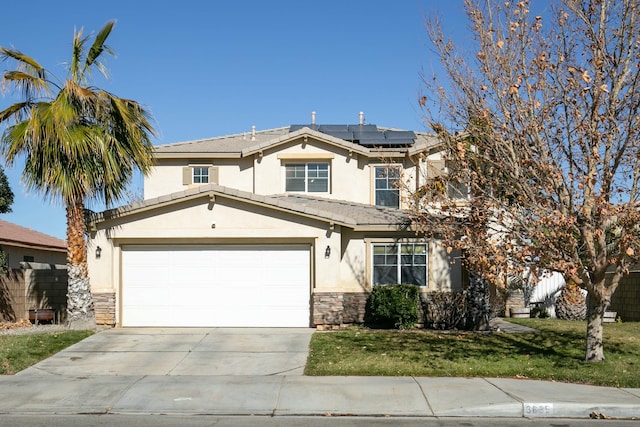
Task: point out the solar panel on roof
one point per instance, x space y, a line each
348 136
363 128
365 135
368 135
399 134
333 128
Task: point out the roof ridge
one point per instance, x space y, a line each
214 138
31 236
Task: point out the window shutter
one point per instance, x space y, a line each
187 175
213 175
436 168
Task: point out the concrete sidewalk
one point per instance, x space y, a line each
300 395
259 372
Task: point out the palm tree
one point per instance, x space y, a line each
79 143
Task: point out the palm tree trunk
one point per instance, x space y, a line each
80 311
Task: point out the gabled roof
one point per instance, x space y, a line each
15 235
250 143
301 133
358 216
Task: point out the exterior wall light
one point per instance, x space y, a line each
327 252
98 251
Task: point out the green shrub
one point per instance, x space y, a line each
392 306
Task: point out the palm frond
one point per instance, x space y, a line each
76 65
31 86
29 77
13 142
15 112
98 47
25 62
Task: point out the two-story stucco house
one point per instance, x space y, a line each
282 227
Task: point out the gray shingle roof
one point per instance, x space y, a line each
239 145
358 213
349 214
16 235
223 144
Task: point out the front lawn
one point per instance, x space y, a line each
555 353
18 352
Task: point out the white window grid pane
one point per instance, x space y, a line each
307 177
318 177
387 185
200 175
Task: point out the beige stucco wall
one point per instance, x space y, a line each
351 174
166 176
228 221
224 221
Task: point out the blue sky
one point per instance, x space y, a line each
210 68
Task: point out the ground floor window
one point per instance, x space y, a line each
395 263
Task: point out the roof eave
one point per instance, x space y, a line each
198 155
33 246
97 218
381 227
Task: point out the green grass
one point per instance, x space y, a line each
555 353
18 352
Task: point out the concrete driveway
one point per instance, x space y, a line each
257 372
182 351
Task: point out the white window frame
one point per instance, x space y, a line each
376 179
396 259
308 176
200 174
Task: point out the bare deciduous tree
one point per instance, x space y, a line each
542 123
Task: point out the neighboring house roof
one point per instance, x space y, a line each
398 142
15 235
358 216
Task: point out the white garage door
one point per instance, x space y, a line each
215 286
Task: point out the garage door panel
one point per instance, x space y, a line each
265 285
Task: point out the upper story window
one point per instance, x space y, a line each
387 186
307 177
401 263
199 175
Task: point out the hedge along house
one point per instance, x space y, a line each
285 227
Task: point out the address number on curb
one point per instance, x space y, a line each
538 409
